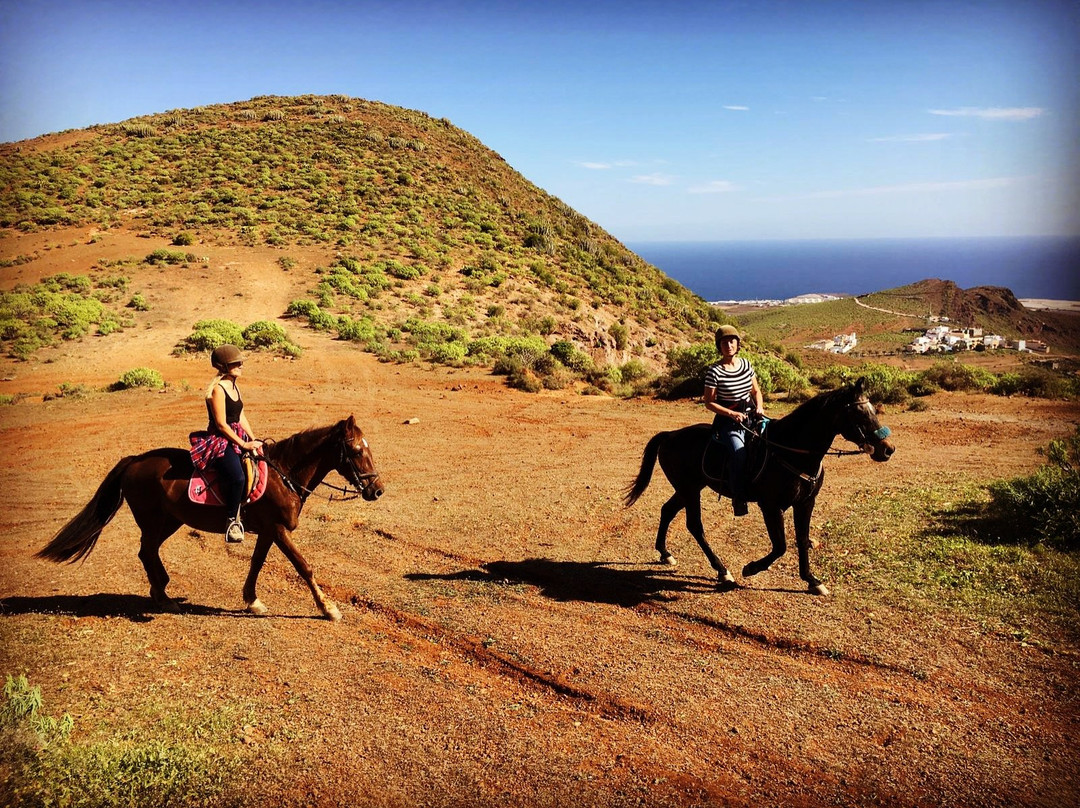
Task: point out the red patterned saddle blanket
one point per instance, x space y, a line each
203 488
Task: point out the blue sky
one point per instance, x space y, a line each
658 120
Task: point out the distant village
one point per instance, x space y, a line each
941 338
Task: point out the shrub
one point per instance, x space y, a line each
183 240
264 334
571 356
168 257
485 348
957 376
633 371
301 308
139 377
691 361
620 334
775 375
42 766
362 330
138 302
1045 506
447 352
209 334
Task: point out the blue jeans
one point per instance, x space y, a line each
732 437
232 480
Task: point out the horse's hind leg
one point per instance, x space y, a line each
668 512
725 580
153 536
774 523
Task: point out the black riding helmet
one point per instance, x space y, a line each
225 355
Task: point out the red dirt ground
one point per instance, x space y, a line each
506 638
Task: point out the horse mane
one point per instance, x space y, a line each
289 451
811 410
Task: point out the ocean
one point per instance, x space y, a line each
1034 267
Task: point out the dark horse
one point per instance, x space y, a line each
790 477
155 485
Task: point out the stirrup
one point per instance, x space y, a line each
234 534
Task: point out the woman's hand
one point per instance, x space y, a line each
252 446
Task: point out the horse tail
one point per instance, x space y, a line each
644 476
77 538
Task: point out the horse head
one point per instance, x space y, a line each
356 463
860 425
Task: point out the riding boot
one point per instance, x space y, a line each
234 533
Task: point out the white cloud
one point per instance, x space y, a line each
714 187
736 107
925 138
992 113
653 179
918 187
596 165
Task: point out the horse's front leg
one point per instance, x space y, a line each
258 558
725 581
668 512
774 523
283 539
802 513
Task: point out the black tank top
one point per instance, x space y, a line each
232 409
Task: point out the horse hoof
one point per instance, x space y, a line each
818 589
725 582
751 570
333 613
668 560
256 607
163 603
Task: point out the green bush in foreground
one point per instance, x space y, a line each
1045 506
42 767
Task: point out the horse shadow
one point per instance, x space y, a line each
136 608
616 583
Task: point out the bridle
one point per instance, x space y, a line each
360 481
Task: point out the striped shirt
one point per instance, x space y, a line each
734 384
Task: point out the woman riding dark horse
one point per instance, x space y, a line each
790 475
155 485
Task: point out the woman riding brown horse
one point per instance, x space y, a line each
155 485
790 476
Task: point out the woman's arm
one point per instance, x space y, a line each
759 401
712 405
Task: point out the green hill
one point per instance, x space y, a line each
410 219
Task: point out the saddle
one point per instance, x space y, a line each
715 459
203 488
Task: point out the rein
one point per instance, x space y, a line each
363 480
880 434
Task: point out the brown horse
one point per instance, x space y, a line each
155 485
790 476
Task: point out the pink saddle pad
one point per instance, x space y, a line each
203 487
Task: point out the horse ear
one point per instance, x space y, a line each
860 387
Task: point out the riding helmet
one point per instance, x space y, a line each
225 355
727 331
